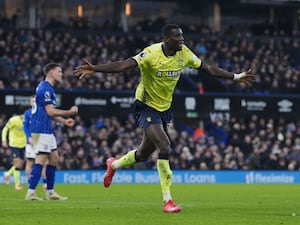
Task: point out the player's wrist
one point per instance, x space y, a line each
237 76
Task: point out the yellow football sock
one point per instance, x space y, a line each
11 170
165 175
17 177
126 160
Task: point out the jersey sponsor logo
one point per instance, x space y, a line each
173 74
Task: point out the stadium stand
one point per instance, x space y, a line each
244 143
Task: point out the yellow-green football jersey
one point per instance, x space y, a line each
16 134
160 74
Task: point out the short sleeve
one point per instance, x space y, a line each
142 57
193 61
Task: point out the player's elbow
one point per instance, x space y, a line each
51 112
121 67
125 65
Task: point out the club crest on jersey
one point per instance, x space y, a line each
180 62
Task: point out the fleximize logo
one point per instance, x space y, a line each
272 178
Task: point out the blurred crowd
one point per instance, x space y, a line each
274 57
240 144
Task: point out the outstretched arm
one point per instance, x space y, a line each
245 77
113 67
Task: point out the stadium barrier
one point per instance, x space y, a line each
179 176
185 105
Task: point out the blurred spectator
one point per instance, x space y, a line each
88 147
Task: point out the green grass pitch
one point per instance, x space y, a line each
141 204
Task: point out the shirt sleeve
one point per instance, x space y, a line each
142 57
5 130
193 61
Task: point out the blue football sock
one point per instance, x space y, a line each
50 174
35 176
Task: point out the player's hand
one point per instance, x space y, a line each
69 122
30 141
83 70
4 144
246 78
74 110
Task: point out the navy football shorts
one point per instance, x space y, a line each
146 115
17 152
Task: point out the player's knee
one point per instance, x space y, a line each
141 156
52 161
165 149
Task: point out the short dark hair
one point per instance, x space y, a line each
50 66
167 29
21 109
